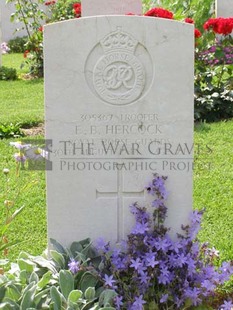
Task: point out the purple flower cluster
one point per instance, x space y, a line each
217 55
153 269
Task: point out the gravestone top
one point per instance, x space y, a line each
111 7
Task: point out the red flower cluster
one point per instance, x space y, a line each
77 9
159 12
220 25
197 33
189 20
25 54
50 2
41 29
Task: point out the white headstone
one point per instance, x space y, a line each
224 8
11 30
111 7
119 107
0 38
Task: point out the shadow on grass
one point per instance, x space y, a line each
202 127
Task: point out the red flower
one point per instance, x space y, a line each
197 33
159 12
50 2
26 53
220 25
77 9
41 28
189 20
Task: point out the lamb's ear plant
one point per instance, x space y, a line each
64 279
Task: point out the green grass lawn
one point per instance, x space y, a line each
213 185
15 61
27 189
21 101
213 175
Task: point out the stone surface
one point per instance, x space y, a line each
224 8
0 38
119 107
111 7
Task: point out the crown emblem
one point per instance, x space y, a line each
119 40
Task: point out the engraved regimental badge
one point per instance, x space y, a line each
118 76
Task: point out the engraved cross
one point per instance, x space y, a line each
119 195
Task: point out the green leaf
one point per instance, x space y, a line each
28 297
3 262
44 280
2 293
78 277
202 307
42 262
88 280
34 277
74 296
8 245
24 277
85 242
106 297
87 248
9 305
96 307
88 305
90 293
24 255
57 246
58 258
56 298
75 248
26 265
153 306
66 281
18 211
40 296
12 17
13 293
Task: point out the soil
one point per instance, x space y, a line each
34 131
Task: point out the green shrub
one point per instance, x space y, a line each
213 104
8 73
17 45
62 10
10 131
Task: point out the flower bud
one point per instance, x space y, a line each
5 171
8 203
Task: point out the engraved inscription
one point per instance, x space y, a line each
118 76
119 69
